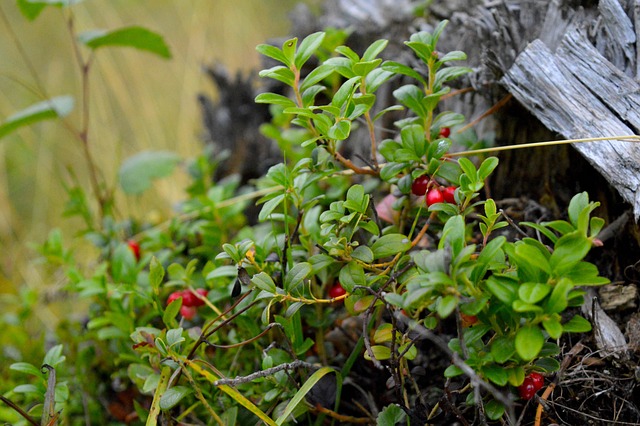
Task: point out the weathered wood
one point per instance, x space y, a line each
579 94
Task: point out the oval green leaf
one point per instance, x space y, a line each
57 107
389 245
529 341
137 172
137 37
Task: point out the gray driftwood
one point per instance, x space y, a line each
578 93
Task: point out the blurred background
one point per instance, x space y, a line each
139 101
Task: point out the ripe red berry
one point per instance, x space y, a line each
196 301
445 132
537 379
189 299
420 185
448 194
336 290
527 389
188 312
135 249
434 196
174 296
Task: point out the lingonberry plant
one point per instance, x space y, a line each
256 303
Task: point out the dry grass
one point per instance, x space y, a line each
139 102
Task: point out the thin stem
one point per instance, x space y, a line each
19 410
625 138
85 67
487 113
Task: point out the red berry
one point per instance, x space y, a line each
188 312
336 290
445 132
448 194
135 249
527 389
196 301
537 379
174 296
190 299
420 185
434 196
468 320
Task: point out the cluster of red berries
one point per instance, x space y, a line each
437 194
190 302
531 384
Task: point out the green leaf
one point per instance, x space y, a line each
307 47
289 50
54 356
568 251
578 203
504 288
548 364
558 300
321 261
577 324
502 349
173 396
363 254
391 415
25 367
496 373
264 282
453 371
468 168
411 96
280 73
170 312
138 171
269 207
57 107
494 409
272 52
275 99
529 341
380 352
296 275
455 55
156 273
137 37
28 389
316 75
29 9
340 130
553 327
446 305
398 68
352 274
304 389
344 93
413 139
389 245
453 235
533 292
363 68
487 166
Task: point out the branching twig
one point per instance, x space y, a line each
425 333
264 373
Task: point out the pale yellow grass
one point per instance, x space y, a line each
138 102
